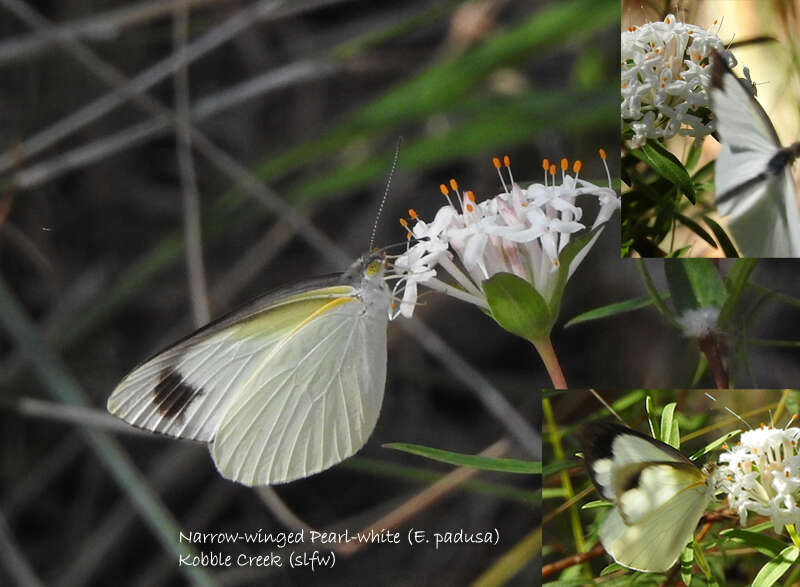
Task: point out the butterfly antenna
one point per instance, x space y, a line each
385 193
731 412
607 406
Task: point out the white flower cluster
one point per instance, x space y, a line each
520 231
665 74
762 475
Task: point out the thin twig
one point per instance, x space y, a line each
132 89
81 416
198 292
102 27
12 558
37 174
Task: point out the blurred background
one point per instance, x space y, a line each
293 110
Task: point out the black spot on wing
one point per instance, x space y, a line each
172 395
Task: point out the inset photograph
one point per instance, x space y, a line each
709 128
671 487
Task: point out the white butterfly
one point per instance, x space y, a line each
658 494
283 388
754 183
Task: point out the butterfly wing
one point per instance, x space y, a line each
314 403
654 541
184 390
658 495
770 225
760 204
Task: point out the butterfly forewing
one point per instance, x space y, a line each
185 390
754 186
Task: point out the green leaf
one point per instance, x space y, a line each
612 310
694 152
669 433
762 543
667 166
695 283
724 240
700 558
557 467
696 228
714 445
517 306
598 503
687 564
775 569
736 282
473 461
573 251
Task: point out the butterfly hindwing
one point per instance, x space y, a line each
317 409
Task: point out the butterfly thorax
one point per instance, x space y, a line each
783 158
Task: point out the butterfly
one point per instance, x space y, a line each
754 183
658 494
285 387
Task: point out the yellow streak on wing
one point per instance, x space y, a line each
287 313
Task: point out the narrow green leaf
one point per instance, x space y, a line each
557 467
771 572
573 252
694 153
667 432
517 306
696 228
736 282
473 461
714 445
695 283
599 503
687 564
724 240
700 558
667 166
613 310
764 544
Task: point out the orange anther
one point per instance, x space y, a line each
469 208
576 167
545 164
404 223
564 164
496 162
602 153
453 185
413 213
552 170
443 189
506 160
470 196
